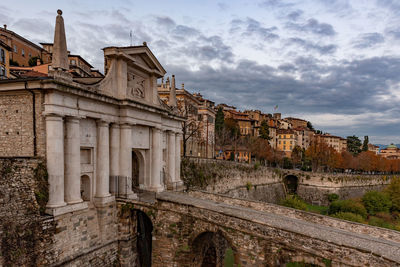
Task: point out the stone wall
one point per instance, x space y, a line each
319 194
89 237
268 184
17 135
271 193
24 233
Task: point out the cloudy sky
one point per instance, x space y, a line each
335 63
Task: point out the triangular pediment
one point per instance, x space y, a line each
132 73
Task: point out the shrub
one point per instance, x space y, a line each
333 197
393 190
256 166
376 202
249 186
375 221
349 216
294 202
347 206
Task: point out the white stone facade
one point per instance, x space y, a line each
92 131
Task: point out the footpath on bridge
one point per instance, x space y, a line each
384 248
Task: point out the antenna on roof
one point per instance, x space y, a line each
131 35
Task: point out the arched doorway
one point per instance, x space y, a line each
144 239
211 249
85 188
135 169
291 182
138 168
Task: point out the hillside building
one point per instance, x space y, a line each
4 61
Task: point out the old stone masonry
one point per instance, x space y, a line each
90 176
99 138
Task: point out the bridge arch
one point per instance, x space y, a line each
144 238
291 183
212 249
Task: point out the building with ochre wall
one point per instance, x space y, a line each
4 60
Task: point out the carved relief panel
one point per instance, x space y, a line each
136 86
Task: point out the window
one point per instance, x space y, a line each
279 142
2 56
73 62
284 142
23 52
15 49
291 142
30 55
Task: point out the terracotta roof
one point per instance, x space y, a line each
21 38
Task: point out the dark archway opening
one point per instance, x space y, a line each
210 258
211 249
291 182
144 239
135 169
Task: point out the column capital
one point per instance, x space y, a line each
73 119
115 125
102 123
157 127
125 125
53 117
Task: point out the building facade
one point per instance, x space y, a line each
99 140
4 60
22 50
198 128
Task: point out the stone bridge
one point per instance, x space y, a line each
178 229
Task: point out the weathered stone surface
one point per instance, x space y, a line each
257 238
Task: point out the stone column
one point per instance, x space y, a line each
114 157
156 157
55 160
72 164
171 157
125 167
103 161
178 138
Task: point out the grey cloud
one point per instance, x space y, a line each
165 21
252 27
368 40
349 87
208 48
295 15
185 31
312 26
33 26
275 4
222 6
307 45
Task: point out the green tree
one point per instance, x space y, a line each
310 126
375 201
393 190
353 144
33 61
365 143
264 130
